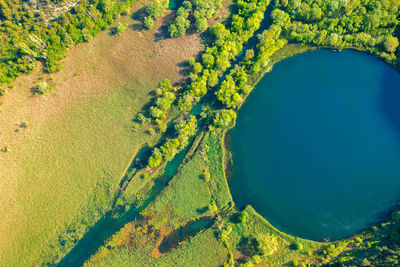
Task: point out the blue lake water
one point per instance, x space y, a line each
316 149
172 4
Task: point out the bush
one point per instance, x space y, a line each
3 89
25 124
157 8
135 127
206 175
42 88
121 27
86 35
151 131
142 119
148 22
242 217
6 149
296 246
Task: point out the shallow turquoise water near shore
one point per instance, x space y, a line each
316 149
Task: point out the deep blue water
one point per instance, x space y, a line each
316 149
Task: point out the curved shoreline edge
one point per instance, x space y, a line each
286 52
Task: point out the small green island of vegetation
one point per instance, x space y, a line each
116 122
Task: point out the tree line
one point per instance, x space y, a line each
371 25
225 43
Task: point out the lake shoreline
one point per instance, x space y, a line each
287 52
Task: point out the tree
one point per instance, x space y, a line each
179 26
208 60
173 30
225 118
391 43
5 11
165 85
201 24
197 67
155 159
165 101
227 94
157 8
157 113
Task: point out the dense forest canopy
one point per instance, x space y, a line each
365 24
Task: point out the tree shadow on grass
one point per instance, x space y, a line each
184 68
112 31
138 16
162 31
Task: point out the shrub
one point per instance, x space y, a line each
3 89
121 27
126 11
206 175
242 217
25 124
86 35
296 246
135 127
42 88
148 22
6 149
142 119
151 131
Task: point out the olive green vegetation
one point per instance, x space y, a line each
38 31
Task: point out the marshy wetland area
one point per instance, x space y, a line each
200 133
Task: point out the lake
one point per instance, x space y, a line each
316 148
172 4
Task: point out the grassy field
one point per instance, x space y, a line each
187 198
79 133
